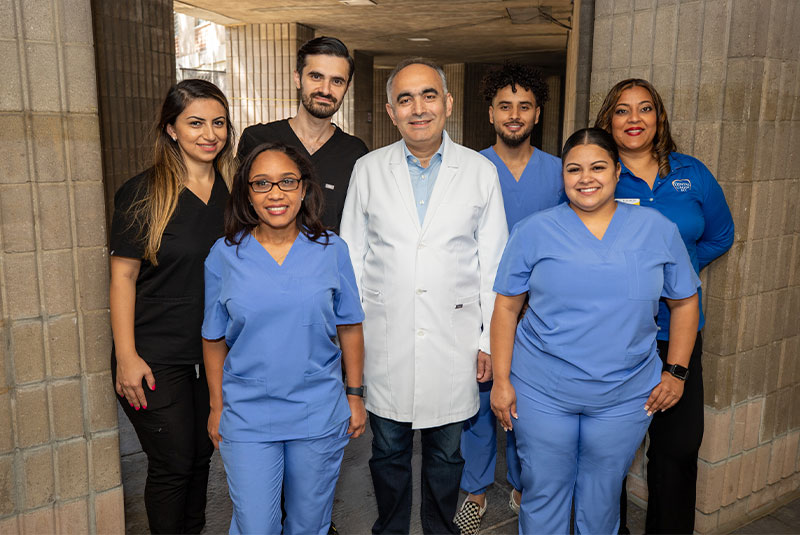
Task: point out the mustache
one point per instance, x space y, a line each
324 95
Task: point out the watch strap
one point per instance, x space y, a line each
355 391
677 371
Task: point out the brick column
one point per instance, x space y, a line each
728 72
261 61
59 458
361 93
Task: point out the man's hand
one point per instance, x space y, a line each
484 367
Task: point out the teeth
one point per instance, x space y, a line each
276 209
588 190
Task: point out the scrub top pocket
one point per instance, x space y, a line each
243 405
645 274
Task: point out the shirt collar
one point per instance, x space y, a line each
410 158
674 163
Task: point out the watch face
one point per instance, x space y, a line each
677 371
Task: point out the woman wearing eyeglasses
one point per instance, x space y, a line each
279 289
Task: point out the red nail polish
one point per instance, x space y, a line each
153 387
137 408
131 404
144 406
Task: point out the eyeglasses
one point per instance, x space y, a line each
265 186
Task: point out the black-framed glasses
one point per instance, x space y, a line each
265 186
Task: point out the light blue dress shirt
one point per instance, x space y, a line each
423 178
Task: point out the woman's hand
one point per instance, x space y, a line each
665 395
504 403
130 372
358 416
213 427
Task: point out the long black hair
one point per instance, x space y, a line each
241 217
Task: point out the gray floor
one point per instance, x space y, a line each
354 506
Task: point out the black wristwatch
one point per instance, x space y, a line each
355 391
677 371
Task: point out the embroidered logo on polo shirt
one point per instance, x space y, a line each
682 184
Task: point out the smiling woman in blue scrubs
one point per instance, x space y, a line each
279 289
585 378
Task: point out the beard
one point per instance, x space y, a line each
514 140
320 111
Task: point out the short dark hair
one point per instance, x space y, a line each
515 74
241 218
592 136
325 46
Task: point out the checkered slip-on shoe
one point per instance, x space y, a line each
512 503
468 518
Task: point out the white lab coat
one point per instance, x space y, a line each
426 289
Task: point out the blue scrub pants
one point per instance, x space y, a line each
574 452
307 471
479 448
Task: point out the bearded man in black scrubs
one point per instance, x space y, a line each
323 74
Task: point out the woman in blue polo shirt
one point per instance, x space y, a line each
279 289
682 188
579 377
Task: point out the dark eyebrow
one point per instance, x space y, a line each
521 102
196 117
426 91
600 161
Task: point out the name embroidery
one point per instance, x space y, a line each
636 202
683 184
330 186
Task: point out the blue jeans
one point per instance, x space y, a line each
390 467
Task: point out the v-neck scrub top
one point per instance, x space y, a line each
692 198
589 336
282 378
540 186
169 296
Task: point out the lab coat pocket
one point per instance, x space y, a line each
645 274
368 294
466 323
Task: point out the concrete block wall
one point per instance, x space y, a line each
59 459
728 73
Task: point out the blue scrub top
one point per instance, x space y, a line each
690 197
589 336
540 186
282 378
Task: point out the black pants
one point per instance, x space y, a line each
390 466
675 438
173 435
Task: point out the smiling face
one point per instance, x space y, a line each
514 114
419 107
590 178
634 122
201 130
276 209
322 84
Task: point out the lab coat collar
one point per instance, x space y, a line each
399 167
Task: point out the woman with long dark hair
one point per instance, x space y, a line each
682 188
279 290
165 220
579 377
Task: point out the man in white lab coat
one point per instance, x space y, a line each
426 227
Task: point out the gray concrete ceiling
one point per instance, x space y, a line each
459 30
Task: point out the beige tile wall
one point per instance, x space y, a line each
728 72
59 461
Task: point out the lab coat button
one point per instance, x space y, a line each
420 291
420 333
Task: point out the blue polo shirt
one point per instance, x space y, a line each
691 198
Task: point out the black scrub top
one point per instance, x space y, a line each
333 162
169 296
